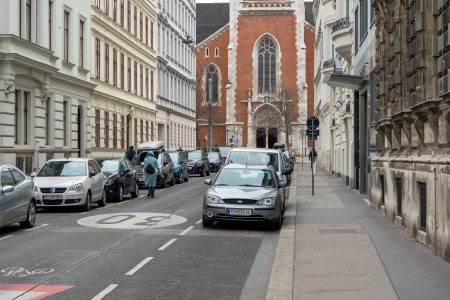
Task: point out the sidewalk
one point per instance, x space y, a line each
333 245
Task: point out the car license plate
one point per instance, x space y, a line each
239 212
52 197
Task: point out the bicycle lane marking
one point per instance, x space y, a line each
30 291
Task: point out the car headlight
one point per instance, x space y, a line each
199 164
214 199
109 181
266 201
76 188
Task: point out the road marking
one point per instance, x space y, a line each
105 292
5 237
167 244
199 221
131 220
37 227
86 212
186 230
139 265
30 291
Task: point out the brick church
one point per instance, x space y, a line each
255 62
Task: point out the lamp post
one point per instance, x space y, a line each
209 114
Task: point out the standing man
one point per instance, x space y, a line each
130 153
312 156
150 179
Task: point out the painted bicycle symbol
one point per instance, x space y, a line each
22 272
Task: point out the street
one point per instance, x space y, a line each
137 249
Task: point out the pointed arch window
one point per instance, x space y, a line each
212 73
207 52
266 66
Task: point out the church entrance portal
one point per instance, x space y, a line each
266 137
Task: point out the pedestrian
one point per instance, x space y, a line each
150 179
130 153
312 156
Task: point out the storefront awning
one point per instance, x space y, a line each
353 82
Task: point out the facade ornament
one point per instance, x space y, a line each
418 124
45 93
434 123
388 134
397 130
407 130
9 86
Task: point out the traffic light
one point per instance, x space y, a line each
312 134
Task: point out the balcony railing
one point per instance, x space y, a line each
328 63
341 23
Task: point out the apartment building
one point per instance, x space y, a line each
44 81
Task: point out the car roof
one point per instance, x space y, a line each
255 150
70 159
151 145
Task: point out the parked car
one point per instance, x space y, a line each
215 161
244 193
166 174
198 162
179 165
224 151
70 182
262 156
17 202
121 178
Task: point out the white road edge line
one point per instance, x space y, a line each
37 227
105 292
139 265
186 230
5 237
167 244
199 221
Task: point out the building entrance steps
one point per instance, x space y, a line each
333 245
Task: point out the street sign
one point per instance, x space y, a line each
312 122
230 141
312 134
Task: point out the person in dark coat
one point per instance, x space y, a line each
130 153
312 156
150 179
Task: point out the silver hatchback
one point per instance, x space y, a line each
17 203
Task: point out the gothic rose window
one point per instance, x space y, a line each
266 66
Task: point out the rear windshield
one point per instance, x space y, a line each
110 165
138 159
63 168
194 155
252 157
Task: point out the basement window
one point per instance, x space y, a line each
399 188
382 189
423 205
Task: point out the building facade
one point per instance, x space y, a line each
344 81
176 116
411 171
255 75
124 69
44 81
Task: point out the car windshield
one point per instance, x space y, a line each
245 177
252 157
63 168
224 149
194 155
212 155
110 165
174 157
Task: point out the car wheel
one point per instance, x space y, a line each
172 183
203 172
102 202
120 196
31 216
87 205
135 194
207 222
279 222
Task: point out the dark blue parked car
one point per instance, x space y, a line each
179 165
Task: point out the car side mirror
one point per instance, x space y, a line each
283 184
91 174
208 181
8 189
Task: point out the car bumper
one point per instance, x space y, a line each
213 212
214 167
195 169
67 200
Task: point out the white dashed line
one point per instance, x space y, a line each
199 221
140 265
37 227
105 292
5 237
167 244
186 230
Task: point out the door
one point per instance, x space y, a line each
10 201
261 138
127 176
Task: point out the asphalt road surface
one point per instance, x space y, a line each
137 249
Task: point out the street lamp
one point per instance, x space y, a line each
209 114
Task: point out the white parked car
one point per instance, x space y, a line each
70 182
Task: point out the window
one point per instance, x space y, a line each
122 12
122 71
382 189
399 187
216 52
115 67
141 75
81 50
129 74
22 117
206 52
147 136
142 130
129 16
135 130
212 74
364 20
146 31
65 121
356 29
106 129
151 35
66 35
97 3
151 133
48 121
423 205
97 128
107 7
106 62
115 131
115 10
147 84
28 20
135 21
152 84
135 77
97 58
50 20
122 132
266 66
141 26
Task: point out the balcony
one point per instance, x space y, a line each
341 36
328 66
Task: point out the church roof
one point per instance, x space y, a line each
213 16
